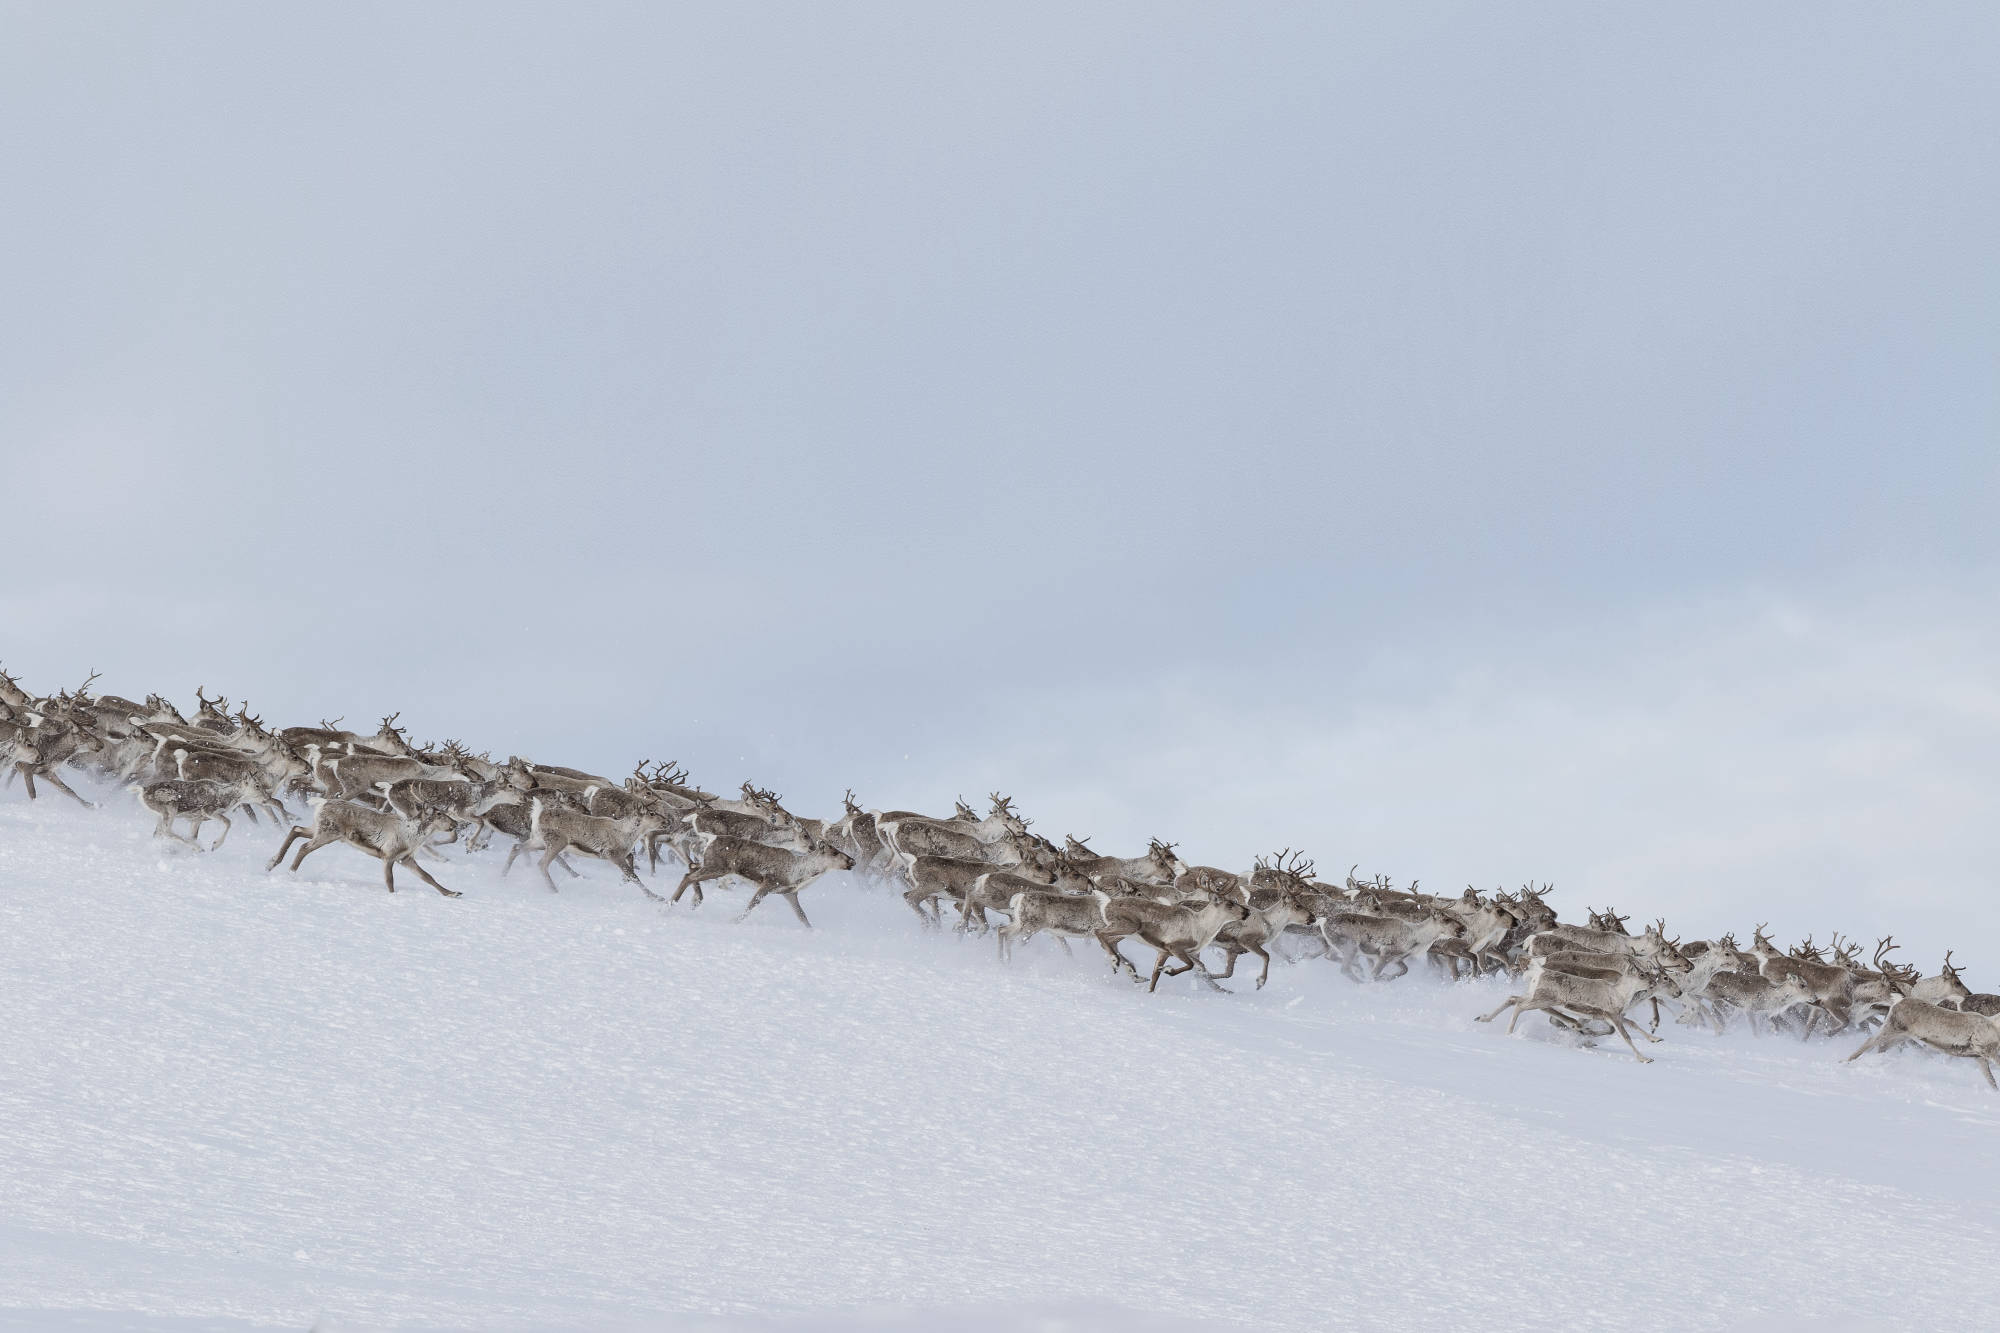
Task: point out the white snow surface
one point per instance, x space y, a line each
233 1100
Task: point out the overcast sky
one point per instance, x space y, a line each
1476 441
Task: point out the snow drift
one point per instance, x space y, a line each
232 1100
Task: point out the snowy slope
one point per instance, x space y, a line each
231 1101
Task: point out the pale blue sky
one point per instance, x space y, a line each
1080 399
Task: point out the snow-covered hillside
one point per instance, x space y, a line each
233 1100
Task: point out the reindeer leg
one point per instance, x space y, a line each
1881 1041
317 841
1157 966
425 876
389 872
1618 1021
755 898
290 838
1230 971
1263 976
1512 1000
225 830
28 776
691 880
800 912
543 866
1067 951
1118 959
1200 969
63 787
647 889
1986 1068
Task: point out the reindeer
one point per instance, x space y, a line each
507 812
967 837
233 769
1603 994
213 714
1201 881
388 740
1649 946
1952 1031
1608 921
1488 926
1255 933
992 890
935 877
1386 940
1753 993
768 869
329 736
555 828
1158 866
1832 986
348 776
196 800
1947 989
384 835
463 802
39 740
775 826
1174 932
1066 916
854 833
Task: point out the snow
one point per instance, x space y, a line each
232 1100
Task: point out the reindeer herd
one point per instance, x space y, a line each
401 803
